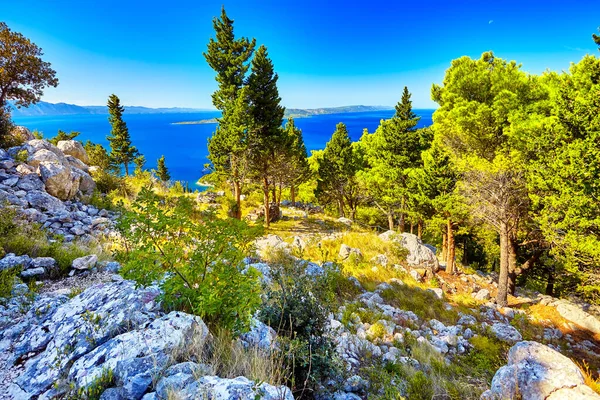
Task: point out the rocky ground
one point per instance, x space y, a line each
97 331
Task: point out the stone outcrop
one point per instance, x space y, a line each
73 148
537 372
419 254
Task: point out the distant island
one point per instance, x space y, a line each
44 108
303 113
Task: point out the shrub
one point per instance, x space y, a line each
196 257
297 307
7 281
22 156
419 387
62 135
486 356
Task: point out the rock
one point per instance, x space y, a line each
43 262
418 254
482 295
346 252
298 244
43 155
59 180
240 388
536 372
12 261
21 133
73 148
42 201
57 330
506 333
12 181
439 293
114 394
85 183
30 182
84 263
380 259
260 335
136 354
76 163
345 221
415 275
270 243
32 272
578 316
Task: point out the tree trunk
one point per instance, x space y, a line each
390 221
445 245
266 201
293 194
237 192
126 168
451 249
502 296
420 228
402 217
412 228
512 264
341 207
550 285
279 196
352 213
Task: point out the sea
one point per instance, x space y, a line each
185 145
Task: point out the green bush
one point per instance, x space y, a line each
7 281
297 306
419 387
22 156
197 257
62 135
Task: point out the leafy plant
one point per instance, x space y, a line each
7 281
196 257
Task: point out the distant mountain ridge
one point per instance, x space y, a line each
44 108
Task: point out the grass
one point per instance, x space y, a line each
230 359
588 376
7 281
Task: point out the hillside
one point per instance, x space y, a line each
304 113
43 108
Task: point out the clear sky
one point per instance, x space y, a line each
327 53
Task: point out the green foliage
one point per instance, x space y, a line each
22 156
422 302
24 75
486 357
62 135
197 257
297 307
419 387
161 170
6 127
140 162
94 390
122 151
98 156
7 281
336 169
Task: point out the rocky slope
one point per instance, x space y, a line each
95 331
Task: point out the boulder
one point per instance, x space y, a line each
22 134
84 263
347 251
345 221
74 148
43 155
77 163
482 295
33 272
270 243
30 182
578 316
260 335
59 180
42 201
419 255
506 333
537 372
12 261
85 183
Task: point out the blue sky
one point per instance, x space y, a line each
327 53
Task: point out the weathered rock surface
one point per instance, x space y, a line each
73 148
536 372
578 316
347 252
419 254
57 330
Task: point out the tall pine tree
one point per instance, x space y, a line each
229 57
161 170
266 117
122 151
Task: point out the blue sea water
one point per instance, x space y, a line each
185 146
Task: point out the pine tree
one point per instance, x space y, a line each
296 167
139 162
122 151
229 57
266 117
337 169
161 170
391 151
596 39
